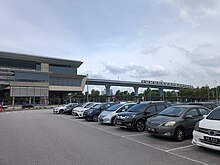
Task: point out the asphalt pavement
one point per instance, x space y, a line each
40 137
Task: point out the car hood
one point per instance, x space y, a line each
127 113
105 113
161 119
209 124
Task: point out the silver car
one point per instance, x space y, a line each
108 116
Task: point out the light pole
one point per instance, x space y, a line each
87 96
216 90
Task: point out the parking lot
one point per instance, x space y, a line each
67 127
181 149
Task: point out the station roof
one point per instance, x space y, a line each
40 59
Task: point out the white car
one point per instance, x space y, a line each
207 131
78 111
61 109
108 116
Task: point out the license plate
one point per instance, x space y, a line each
119 123
211 139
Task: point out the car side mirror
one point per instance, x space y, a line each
204 116
146 112
189 117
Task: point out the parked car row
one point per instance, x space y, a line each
158 118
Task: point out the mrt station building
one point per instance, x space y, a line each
38 80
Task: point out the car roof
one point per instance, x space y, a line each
189 106
201 103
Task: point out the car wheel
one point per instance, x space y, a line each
61 111
179 134
95 118
140 127
114 121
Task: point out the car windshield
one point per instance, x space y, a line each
114 107
137 108
173 111
97 106
214 115
89 105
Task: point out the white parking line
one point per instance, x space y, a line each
142 143
174 149
140 134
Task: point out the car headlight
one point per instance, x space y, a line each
169 124
196 128
130 117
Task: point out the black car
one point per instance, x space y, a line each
69 108
137 115
209 105
26 105
93 113
176 122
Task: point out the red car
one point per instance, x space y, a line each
1 108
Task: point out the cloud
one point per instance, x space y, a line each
204 56
113 68
138 71
150 49
193 11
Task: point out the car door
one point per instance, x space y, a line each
150 111
191 117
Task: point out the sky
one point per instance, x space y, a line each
131 40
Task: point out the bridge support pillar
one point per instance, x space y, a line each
108 92
161 94
136 91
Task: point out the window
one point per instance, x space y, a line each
160 107
203 111
151 109
192 112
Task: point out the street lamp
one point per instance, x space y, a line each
87 96
216 90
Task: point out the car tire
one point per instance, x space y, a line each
114 121
179 134
61 111
140 126
95 118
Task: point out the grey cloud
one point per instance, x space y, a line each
193 11
150 50
137 71
199 55
113 68
152 71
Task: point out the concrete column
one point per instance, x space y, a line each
13 102
29 100
161 94
108 91
136 91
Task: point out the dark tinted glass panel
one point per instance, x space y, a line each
151 109
214 115
173 111
203 111
21 64
138 108
192 112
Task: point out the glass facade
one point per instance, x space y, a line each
60 81
20 64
